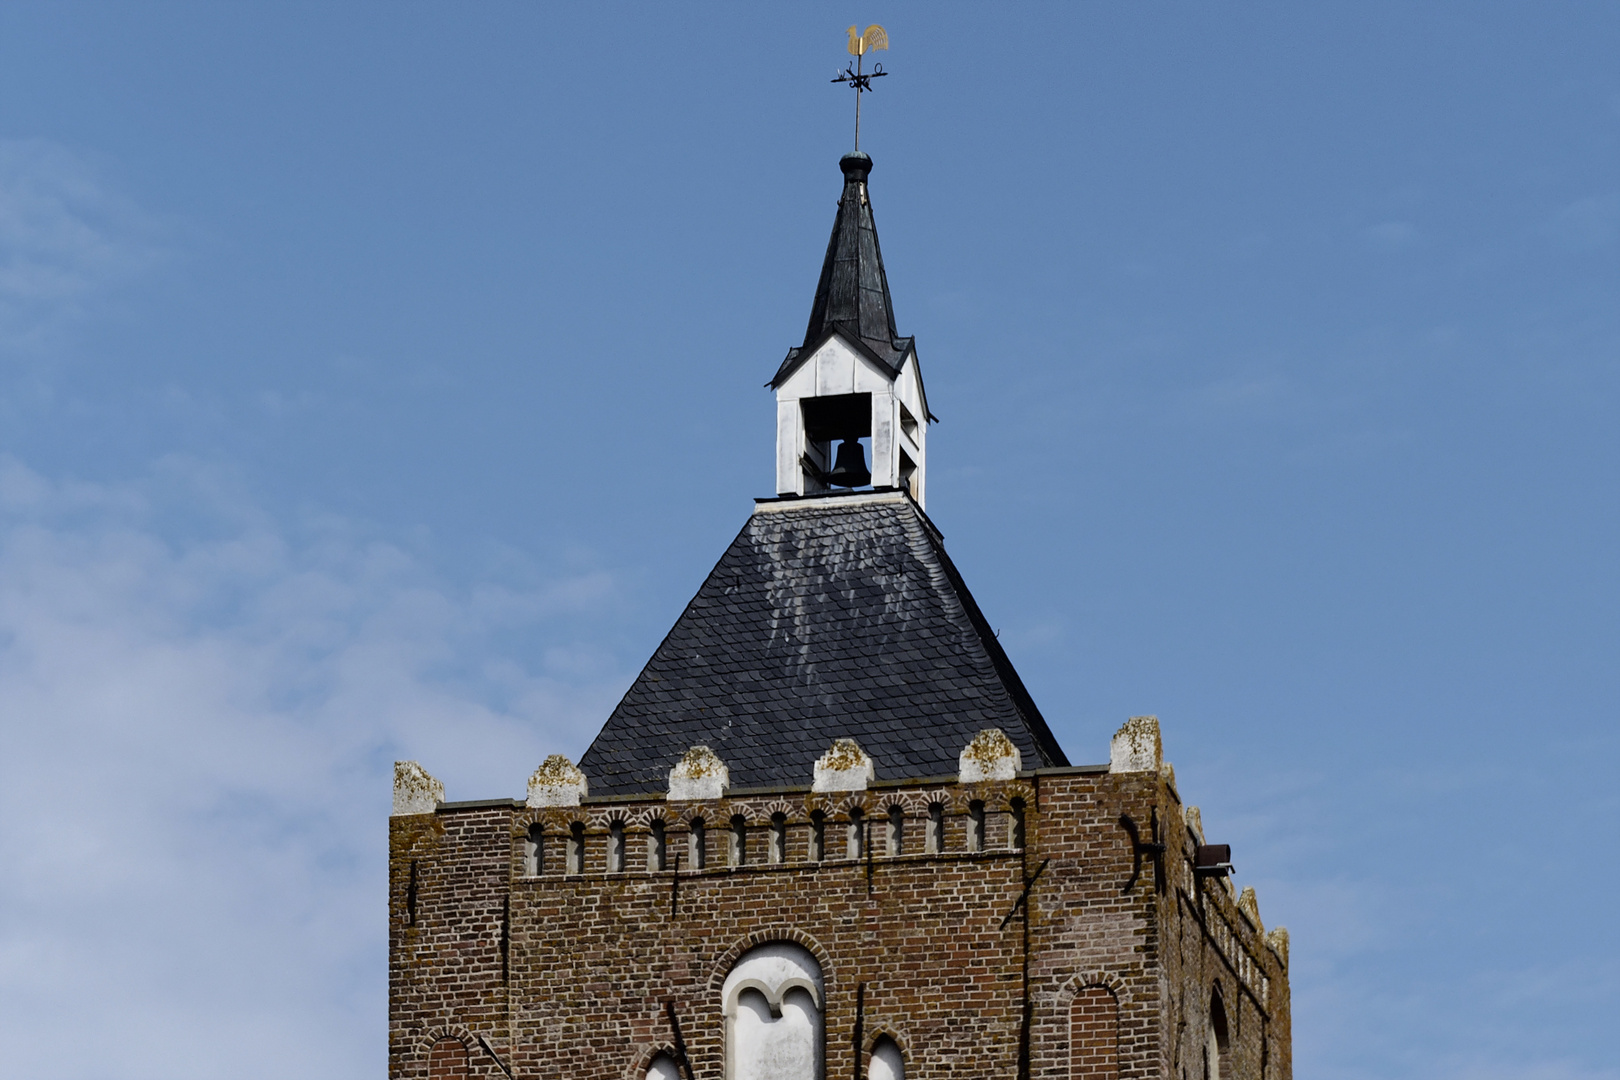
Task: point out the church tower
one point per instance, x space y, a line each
827 832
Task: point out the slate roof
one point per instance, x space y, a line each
852 297
826 618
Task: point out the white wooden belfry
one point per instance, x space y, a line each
899 429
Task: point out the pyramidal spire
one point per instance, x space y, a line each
853 293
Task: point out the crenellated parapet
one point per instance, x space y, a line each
862 864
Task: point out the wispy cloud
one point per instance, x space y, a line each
66 238
195 744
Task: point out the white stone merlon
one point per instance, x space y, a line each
415 792
990 756
1195 822
557 782
844 767
700 774
1249 904
1278 940
1136 746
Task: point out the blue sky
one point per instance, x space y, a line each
379 381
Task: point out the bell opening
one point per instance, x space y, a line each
838 437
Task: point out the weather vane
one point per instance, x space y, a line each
875 37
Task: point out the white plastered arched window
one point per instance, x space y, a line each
772 1001
887 1064
663 1067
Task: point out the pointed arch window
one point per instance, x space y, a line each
663 1067
772 1002
1217 1044
887 1061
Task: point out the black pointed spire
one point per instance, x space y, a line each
853 294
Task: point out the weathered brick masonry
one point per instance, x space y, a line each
569 974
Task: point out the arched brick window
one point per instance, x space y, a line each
1218 1046
697 848
576 848
897 830
854 846
448 1060
1094 1035
657 850
777 851
772 1004
534 850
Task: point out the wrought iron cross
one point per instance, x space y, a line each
875 37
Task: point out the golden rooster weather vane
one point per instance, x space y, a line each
874 38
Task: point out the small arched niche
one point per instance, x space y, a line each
772 1002
663 1067
887 1062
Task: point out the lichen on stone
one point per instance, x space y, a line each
557 782
699 774
1278 940
415 792
844 754
1249 904
1136 747
699 762
844 767
989 756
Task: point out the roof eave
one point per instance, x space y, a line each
796 357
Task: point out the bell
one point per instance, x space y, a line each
849 469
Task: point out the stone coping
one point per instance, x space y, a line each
758 792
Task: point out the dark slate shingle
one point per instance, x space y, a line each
824 619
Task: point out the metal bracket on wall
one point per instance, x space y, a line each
495 1058
1138 848
1213 860
680 1043
1023 897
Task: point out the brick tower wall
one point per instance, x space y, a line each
571 974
